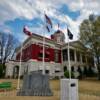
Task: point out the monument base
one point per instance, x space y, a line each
69 89
35 84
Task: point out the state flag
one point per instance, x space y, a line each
26 31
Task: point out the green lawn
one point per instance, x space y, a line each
89 89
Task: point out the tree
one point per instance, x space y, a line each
7 48
90 37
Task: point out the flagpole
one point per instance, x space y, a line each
69 68
18 83
69 64
43 59
44 53
46 22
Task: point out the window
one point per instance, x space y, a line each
72 68
58 39
56 55
57 71
65 68
41 55
62 38
65 55
72 55
83 58
47 71
46 55
78 56
90 60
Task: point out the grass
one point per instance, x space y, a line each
89 89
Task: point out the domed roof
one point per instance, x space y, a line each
58 36
58 31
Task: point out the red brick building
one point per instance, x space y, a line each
56 56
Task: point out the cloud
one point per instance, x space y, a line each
30 9
16 9
5 29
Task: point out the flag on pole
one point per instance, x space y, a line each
48 23
70 35
58 26
47 28
26 31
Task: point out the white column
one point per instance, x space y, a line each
81 58
44 54
62 59
18 83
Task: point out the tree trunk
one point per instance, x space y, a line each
98 72
98 66
4 69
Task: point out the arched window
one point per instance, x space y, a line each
72 69
65 55
15 71
65 68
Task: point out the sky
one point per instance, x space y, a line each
14 14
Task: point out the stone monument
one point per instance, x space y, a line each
35 84
69 86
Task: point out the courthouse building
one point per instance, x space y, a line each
56 56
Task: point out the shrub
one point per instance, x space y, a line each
66 74
90 72
85 72
56 78
2 70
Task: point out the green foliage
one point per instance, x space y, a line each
90 37
66 74
90 72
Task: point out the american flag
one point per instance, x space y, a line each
48 23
